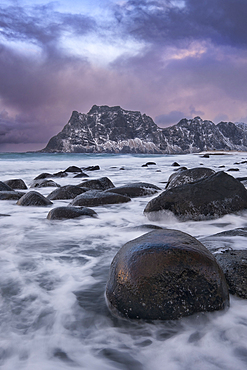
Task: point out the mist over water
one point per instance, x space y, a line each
53 313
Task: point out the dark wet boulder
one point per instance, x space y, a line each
212 197
10 195
188 176
60 174
149 164
61 213
165 274
82 174
137 189
234 266
16 184
176 164
44 175
33 198
99 184
233 170
44 183
5 187
205 156
97 198
66 192
73 169
91 168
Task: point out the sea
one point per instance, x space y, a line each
53 274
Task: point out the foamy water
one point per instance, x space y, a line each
53 274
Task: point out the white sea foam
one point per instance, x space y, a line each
53 274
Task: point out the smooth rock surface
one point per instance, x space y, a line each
61 213
33 198
212 197
96 198
16 184
99 184
66 192
165 274
10 195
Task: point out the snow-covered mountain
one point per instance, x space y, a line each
115 130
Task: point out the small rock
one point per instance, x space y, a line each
73 169
33 198
16 184
175 164
44 183
100 184
97 198
61 213
91 168
149 164
233 169
60 174
66 192
82 174
43 175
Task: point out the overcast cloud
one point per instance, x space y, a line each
168 59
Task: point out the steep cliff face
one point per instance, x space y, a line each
108 129
115 130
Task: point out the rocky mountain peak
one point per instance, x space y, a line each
115 130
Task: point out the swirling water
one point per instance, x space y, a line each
53 274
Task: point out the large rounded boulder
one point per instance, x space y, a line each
188 176
165 274
99 184
211 197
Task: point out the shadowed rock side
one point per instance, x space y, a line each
61 213
10 195
115 130
165 274
212 197
137 189
234 266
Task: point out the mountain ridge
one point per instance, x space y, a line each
107 129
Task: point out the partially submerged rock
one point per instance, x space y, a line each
163 275
5 187
234 266
99 184
61 213
66 192
97 198
16 184
44 183
212 197
10 195
137 189
33 198
73 169
188 176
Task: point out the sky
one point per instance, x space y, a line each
169 59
